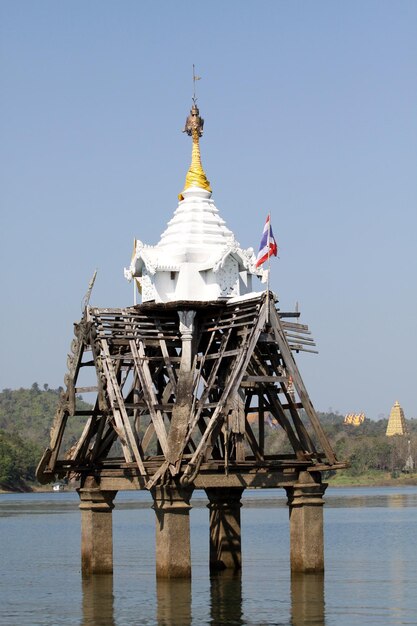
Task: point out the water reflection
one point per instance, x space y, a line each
397 500
226 598
98 601
307 599
173 602
373 498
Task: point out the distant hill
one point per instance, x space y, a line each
18 461
26 416
29 413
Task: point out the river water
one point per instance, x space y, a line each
370 552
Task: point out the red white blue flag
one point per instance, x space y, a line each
268 245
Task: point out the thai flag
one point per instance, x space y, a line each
268 245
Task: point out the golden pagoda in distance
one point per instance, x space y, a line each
396 422
354 419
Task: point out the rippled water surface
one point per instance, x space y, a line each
370 578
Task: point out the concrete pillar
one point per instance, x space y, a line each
305 501
173 549
96 531
225 537
186 330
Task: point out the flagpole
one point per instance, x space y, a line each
269 269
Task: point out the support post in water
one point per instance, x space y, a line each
96 508
225 533
173 549
305 501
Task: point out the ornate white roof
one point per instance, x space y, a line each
196 227
201 255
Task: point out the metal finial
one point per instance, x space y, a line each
195 78
194 123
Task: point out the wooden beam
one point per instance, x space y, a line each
264 379
145 378
292 368
119 410
230 390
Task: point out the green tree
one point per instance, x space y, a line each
18 460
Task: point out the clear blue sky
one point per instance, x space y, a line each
310 112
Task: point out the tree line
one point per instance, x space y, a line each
26 417
365 447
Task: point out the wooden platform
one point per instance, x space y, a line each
186 392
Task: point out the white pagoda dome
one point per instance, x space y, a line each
197 257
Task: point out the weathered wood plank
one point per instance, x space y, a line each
94 388
302 433
300 339
57 433
230 391
261 423
119 411
264 379
301 328
216 355
201 402
167 358
144 375
279 414
300 348
253 444
298 384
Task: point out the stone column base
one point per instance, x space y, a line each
173 549
305 501
96 531
225 535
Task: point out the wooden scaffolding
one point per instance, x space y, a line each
177 397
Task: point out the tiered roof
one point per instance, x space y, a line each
396 422
197 257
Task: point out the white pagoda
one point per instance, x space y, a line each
197 257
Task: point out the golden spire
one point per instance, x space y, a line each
196 176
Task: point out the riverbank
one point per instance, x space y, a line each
341 479
372 479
